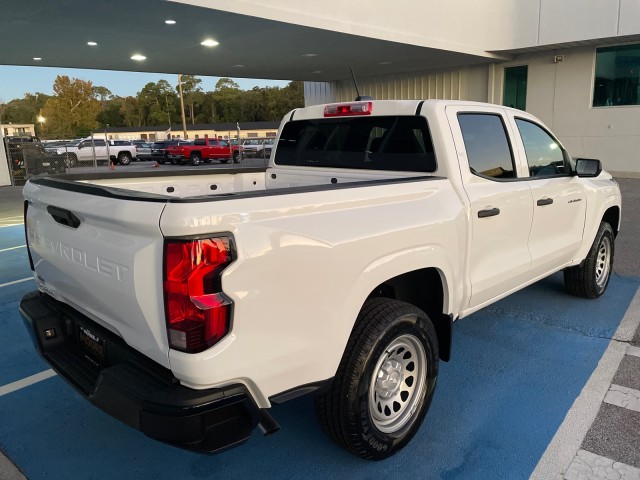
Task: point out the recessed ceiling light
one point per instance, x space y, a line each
317 71
310 55
384 63
92 44
170 22
37 59
209 43
239 66
138 58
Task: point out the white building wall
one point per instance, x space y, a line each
470 83
560 94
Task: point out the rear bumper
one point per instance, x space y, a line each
132 388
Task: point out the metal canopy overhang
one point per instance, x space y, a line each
249 47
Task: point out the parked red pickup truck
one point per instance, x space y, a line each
204 150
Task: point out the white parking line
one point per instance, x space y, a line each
25 382
623 397
564 446
12 248
15 281
594 467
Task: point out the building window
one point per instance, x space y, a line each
271 134
515 87
206 135
617 78
252 135
197 136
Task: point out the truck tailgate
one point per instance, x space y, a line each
103 256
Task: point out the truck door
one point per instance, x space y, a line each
213 148
559 201
501 209
101 148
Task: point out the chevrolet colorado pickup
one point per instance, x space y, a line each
204 150
186 305
86 150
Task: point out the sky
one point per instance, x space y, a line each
16 81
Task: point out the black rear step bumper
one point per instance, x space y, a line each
135 390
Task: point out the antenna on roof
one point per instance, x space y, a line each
355 83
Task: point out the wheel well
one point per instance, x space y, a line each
612 217
122 154
195 153
423 288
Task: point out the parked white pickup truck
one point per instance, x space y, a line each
98 149
187 304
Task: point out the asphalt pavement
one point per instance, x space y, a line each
540 384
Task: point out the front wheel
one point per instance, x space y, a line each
70 160
236 156
591 277
385 381
194 160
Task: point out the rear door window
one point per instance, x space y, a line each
488 149
400 143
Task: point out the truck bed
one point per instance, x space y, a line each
194 184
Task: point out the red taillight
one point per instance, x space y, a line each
348 109
198 313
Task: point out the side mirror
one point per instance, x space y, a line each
588 167
80 145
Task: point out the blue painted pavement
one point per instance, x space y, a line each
517 367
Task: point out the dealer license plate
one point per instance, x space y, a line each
92 345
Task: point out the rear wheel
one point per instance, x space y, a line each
124 158
236 156
385 381
194 159
591 277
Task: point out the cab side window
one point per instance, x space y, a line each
545 157
488 149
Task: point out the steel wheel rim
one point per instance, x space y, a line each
397 383
603 262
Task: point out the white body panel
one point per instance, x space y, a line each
307 258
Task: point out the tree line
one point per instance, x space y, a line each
77 107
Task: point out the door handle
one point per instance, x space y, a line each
490 212
544 201
63 217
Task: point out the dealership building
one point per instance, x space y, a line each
575 64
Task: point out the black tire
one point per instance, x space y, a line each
591 277
194 159
175 161
70 160
224 160
236 156
347 410
124 158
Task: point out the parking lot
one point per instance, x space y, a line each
517 368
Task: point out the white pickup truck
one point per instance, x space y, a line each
98 149
186 303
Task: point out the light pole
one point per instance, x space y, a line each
184 120
41 121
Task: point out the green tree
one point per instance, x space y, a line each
72 110
112 113
157 103
103 94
